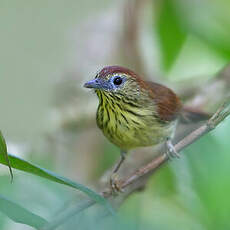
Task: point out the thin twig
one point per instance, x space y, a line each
148 169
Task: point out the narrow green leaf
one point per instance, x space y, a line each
3 151
19 214
170 32
26 166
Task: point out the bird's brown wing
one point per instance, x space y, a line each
168 104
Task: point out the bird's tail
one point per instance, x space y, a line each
193 115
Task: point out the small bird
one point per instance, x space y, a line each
132 112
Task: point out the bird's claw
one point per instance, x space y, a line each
114 184
171 151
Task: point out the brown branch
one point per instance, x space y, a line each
139 178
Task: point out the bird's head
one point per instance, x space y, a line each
115 80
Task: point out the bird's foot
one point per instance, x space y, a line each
171 151
114 184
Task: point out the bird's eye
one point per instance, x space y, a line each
117 80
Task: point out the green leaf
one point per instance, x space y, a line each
26 166
170 32
215 40
19 214
209 23
3 151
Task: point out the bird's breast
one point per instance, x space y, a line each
129 126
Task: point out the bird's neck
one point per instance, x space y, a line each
119 103
118 99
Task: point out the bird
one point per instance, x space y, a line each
133 112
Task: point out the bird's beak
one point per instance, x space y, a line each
96 83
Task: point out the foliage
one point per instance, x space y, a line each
3 150
21 215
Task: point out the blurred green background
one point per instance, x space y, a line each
50 48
